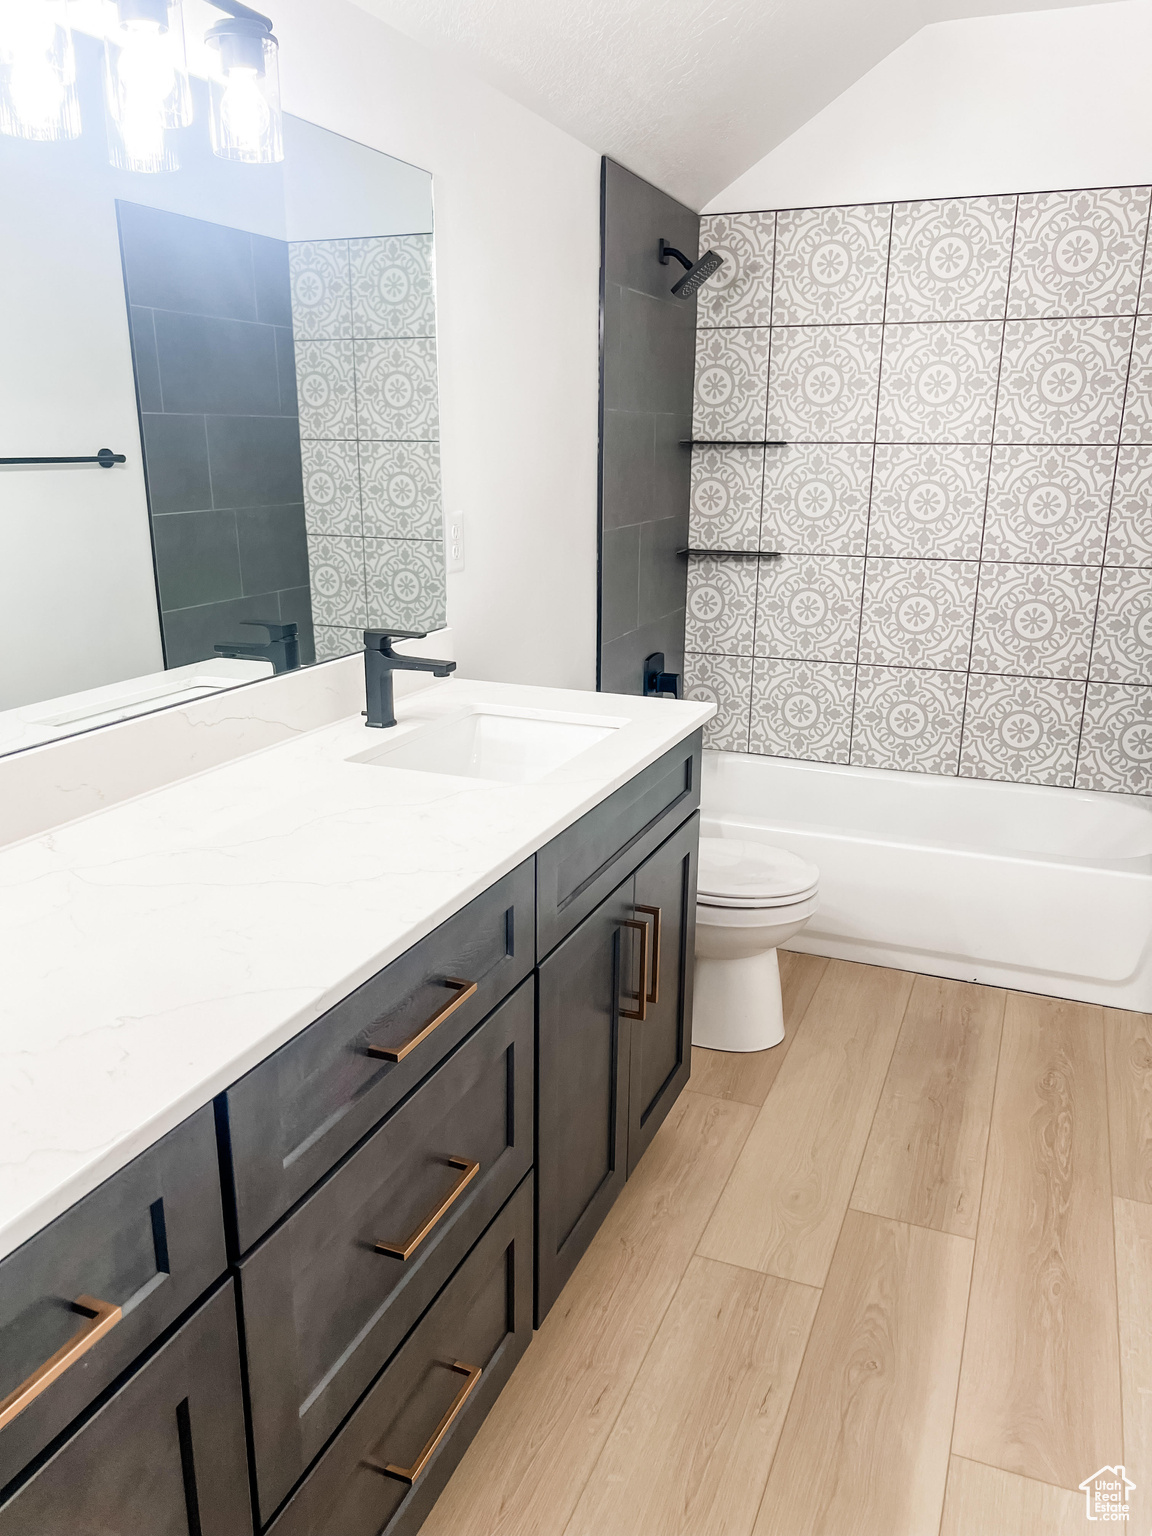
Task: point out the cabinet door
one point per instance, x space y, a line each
661 1043
582 1088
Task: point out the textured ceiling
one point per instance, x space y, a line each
688 93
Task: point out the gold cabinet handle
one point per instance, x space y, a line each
655 915
406 1250
463 990
410 1474
640 1012
100 1318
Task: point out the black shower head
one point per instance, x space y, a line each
698 275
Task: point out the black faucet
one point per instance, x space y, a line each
282 647
380 661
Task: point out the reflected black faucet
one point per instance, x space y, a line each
380 661
282 647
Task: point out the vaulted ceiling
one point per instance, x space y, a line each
688 93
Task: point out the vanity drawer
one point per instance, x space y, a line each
482 1318
163 1456
324 1308
294 1116
581 866
141 1247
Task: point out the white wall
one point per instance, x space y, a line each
1014 103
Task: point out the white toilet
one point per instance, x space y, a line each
750 898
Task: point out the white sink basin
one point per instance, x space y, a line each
516 747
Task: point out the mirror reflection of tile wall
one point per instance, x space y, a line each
963 509
364 322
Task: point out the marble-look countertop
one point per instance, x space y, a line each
154 952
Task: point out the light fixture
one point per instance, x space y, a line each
246 121
37 71
145 83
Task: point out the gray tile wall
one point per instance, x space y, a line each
963 511
364 321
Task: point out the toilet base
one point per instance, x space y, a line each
737 1004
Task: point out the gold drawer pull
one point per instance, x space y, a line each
463 989
101 1317
640 1012
655 915
406 1250
410 1474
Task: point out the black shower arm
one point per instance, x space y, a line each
241 12
667 250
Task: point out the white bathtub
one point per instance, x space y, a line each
1044 890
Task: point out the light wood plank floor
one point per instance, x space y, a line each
891 1278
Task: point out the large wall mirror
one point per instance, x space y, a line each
259 342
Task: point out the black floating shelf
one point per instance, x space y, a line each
746 554
729 442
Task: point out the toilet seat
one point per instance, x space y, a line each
743 875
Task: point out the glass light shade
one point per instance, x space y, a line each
244 91
37 71
146 86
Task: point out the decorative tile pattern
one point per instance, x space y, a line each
1078 253
326 388
1062 381
1021 728
822 383
808 607
802 709
336 576
918 613
721 614
725 681
321 290
1048 505
405 579
727 484
909 720
731 384
400 486
816 498
928 501
332 642
1122 649
396 393
331 487
1034 620
1130 526
392 292
939 383
950 259
1137 426
1116 745
830 265
740 292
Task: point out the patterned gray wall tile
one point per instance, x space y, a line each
400 485
1130 525
1122 648
396 393
1137 426
731 384
1021 728
392 292
1062 380
332 642
725 681
1048 504
939 382
1078 253
326 387
928 501
918 613
321 290
740 293
909 720
405 580
336 576
1116 746
816 498
830 265
1035 620
721 613
802 709
950 259
822 383
331 487
808 607
727 484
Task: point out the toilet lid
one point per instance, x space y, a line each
735 873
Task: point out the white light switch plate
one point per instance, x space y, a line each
454 541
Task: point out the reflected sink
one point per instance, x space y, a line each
513 746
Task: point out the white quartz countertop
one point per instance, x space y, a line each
153 953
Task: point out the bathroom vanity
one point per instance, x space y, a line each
375 1050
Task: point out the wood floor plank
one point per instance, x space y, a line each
782 1208
525 1470
865 1442
1128 1044
1040 1384
1134 1285
924 1161
984 1501
689 1454
748 1075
